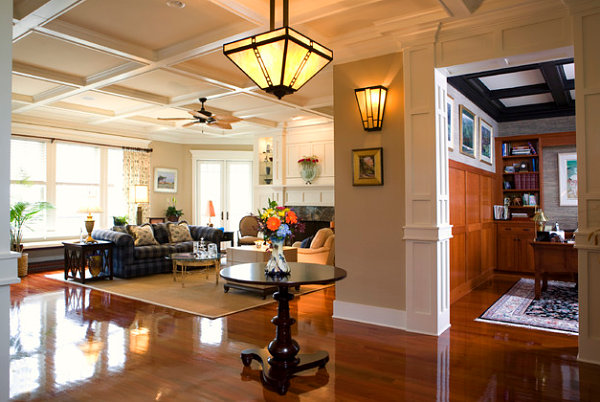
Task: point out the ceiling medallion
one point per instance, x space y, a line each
279 61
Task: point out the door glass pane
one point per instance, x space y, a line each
116 200
209 185
239 192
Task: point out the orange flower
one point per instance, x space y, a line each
273 223
291 217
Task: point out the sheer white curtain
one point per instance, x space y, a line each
136 172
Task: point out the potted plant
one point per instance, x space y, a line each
20 214
120 220
173 214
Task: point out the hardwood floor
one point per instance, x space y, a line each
71 344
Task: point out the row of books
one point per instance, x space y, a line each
528 149
527 181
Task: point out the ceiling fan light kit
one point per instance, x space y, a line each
279 61
204 116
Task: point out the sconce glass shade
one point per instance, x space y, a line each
371 103
279 61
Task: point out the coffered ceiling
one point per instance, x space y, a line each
115 66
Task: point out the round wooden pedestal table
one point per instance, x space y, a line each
280 360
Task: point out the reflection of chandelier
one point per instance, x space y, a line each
139 339
279 61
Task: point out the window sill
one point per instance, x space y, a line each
38 245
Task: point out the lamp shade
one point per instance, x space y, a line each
141 194
280 61
371 104
210 209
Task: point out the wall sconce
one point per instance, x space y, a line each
371 103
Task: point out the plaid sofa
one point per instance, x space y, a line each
130 261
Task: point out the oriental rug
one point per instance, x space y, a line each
557 309
200 296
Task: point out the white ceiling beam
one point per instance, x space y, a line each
27 70
42 15
255 13
460 8
134 94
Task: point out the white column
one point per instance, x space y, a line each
8 264
586 31
427 231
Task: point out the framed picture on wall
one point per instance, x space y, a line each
165 180
486 141
567 178
367 167
451 121
467 131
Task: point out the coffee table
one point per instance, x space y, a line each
280 360
185 260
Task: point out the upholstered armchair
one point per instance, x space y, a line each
248 232
321 250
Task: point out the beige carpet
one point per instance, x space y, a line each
200 296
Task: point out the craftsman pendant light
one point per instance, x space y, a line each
371 104
279 61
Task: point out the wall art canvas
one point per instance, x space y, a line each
567 178
165 180
486 141
467 131
451 121
367 167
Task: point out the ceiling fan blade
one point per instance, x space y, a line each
221 124
226 118
173 118
196 114
190 124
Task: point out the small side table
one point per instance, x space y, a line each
94 256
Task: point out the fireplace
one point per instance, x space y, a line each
314 218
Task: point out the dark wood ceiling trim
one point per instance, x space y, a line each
555 81
519 91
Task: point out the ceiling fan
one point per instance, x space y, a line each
204 116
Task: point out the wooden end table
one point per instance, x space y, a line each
280 360
185 260
80 255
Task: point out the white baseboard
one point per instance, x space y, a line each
382 316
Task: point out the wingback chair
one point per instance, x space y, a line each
248 231
321 250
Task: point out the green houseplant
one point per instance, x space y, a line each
20 214
172 213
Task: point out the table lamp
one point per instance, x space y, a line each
210 211
89 221
540 219
140 197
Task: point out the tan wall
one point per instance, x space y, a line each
369 220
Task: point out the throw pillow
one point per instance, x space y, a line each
306 242
120 229
179 232
143 235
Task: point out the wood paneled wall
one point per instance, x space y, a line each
473 245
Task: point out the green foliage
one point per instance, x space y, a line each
120 220
173 211
20 214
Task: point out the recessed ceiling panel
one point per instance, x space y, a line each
30 86
105 101
239 102
569 70
169 84
151 23
169 112
21 8
513 80
218 67
527 100
54 54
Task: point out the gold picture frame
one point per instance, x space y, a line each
467 130
367 167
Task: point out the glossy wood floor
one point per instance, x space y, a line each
71 344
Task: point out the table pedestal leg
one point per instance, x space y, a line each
280 361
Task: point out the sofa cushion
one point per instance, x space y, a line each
120 229
183 247
179 232
157 251
320 238
161 233
142 235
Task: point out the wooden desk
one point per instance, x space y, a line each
552 257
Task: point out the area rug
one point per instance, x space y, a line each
200 296
557 309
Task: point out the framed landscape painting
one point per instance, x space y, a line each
467 131
567 178
451 120
486 141
367 167
165 180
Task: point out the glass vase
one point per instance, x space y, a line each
277 265
308 172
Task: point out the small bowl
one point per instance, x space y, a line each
258 243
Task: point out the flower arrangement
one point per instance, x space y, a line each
277 222
310 160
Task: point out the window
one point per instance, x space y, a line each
70 177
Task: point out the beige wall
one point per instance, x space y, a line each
178 156
369 220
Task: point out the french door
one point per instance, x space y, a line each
228 184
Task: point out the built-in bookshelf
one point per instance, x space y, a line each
520 170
